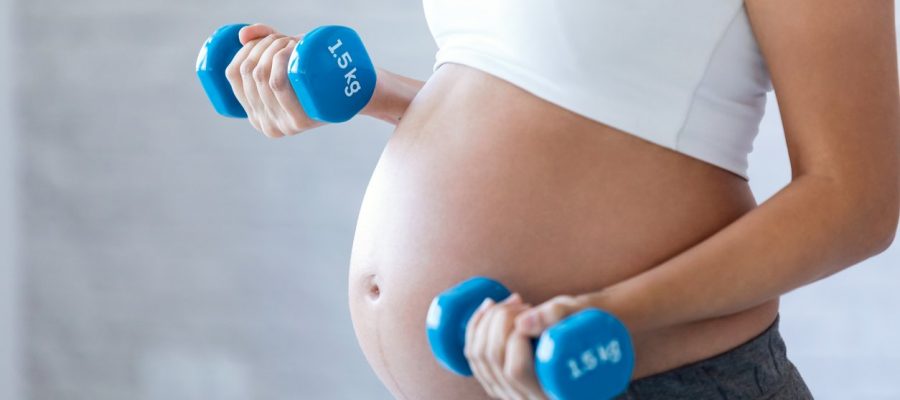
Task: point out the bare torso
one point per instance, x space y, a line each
482 178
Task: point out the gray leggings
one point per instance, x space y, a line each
757 369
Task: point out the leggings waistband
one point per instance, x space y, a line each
759 368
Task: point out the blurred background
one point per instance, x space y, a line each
152 250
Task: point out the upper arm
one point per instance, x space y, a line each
833 65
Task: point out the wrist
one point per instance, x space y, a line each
392 96
618 301
375 106
389 100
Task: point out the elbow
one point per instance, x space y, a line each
891 215
887 229
873 212
881 226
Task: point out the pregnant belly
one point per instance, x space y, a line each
482 178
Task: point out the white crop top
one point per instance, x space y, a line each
684 74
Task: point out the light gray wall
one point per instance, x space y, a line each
9 282
172 254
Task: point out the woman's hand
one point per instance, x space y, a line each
498 343
258 76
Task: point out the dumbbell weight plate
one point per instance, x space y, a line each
331 73
215 55
587 355
447 317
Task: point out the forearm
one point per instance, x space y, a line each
392 96
809 230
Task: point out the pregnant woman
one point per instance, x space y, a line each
594 154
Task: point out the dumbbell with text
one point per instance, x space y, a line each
586 356
330 71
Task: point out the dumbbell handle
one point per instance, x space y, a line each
330 71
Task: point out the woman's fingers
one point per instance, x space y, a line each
261 75
486 343
296 118
475 344
495 350
518 368
499 348
233 74
258 77
251 92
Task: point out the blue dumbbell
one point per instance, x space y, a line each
586 356
330 71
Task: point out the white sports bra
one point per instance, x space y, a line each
684 74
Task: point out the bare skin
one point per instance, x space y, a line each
536 197
483 178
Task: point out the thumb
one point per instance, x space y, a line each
538 319
255 31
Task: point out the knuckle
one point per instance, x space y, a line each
272 133
247 67
480 355
514 372
505 314
267 129
284 55
261 73
475 358
495 356
278 82
233 71
474 353
282 41
253 119
300 123
288 129
477 314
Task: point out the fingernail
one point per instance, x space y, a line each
514 298
484 304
